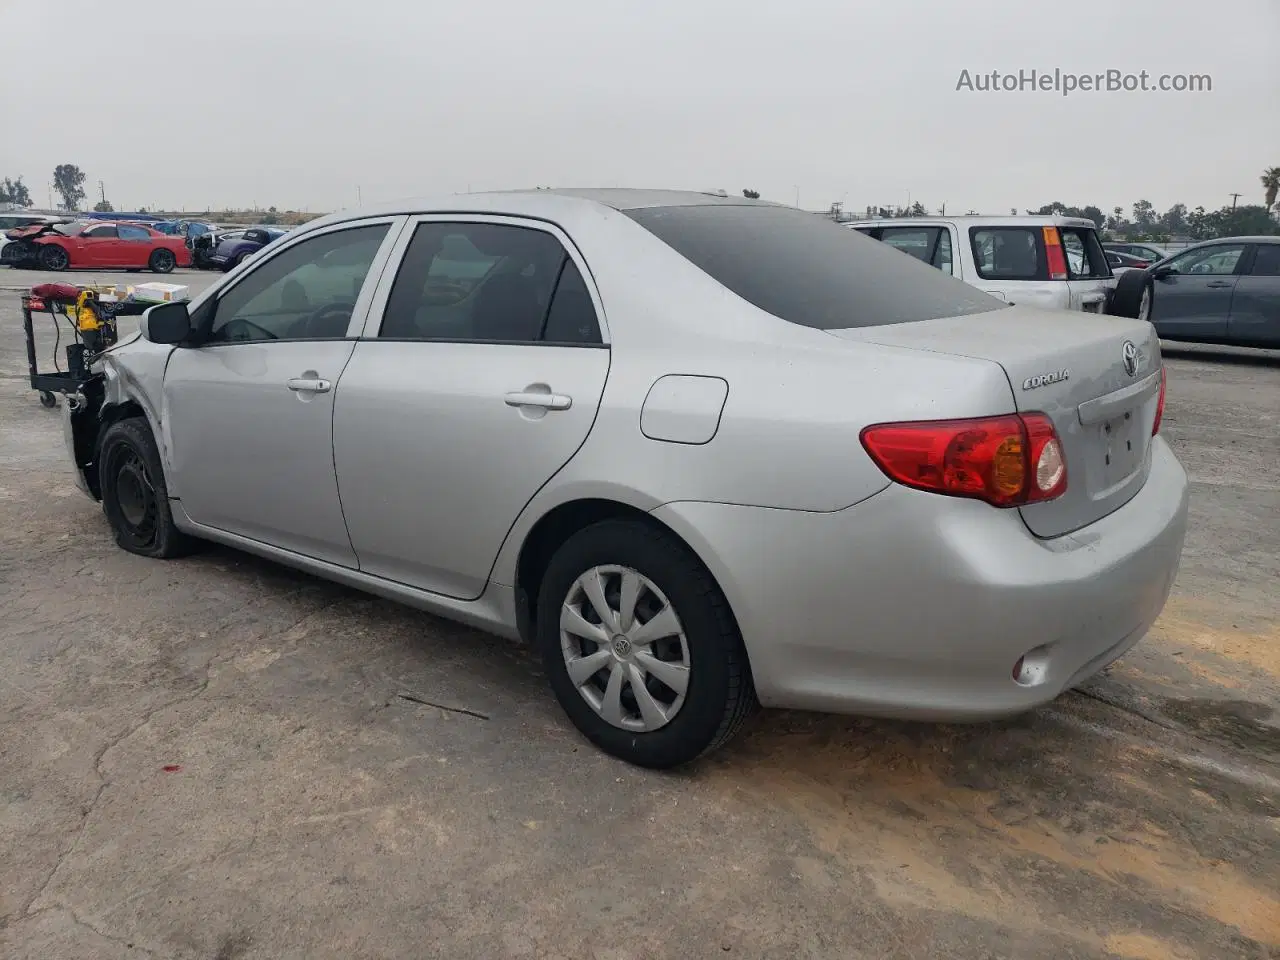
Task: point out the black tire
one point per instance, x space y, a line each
1127 298
134 496
53 257
232 263
162 261
720 696
47 399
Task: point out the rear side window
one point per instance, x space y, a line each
1085 257
100 232
1266 262
133 233
808 270
488 282
1009 253
931 245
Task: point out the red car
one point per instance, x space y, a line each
89 244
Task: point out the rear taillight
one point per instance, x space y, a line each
1155 427
1006 461
1057 260
1140 264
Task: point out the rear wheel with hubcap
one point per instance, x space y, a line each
640 646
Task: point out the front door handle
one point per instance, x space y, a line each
1218 284
534 398
309 385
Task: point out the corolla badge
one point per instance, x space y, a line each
1129 356
1044 379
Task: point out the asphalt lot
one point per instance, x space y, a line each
222 758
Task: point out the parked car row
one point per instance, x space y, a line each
87 244
1224 291
40 241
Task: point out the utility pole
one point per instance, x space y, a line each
1234 197
103 190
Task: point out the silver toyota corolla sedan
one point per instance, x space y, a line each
703 452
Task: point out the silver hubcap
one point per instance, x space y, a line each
624 648
1144 308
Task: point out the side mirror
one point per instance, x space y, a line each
166 323
1161 272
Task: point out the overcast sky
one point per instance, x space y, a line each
299 103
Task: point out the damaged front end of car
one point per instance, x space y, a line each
23 248
126 383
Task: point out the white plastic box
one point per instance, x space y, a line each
161 292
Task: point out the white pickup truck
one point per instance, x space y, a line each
1048 261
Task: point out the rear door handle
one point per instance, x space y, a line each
532 398
308 385
1218 284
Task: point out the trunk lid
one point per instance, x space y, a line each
1097 378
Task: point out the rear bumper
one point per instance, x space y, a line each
913 605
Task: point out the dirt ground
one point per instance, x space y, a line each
222 759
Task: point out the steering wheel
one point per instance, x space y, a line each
322 322
250 327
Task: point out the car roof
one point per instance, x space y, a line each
1012 220
1217 240
548 204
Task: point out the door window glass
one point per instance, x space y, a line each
930 244
133 233
304 293
1266 262
1008 253
99 233
1085 259
490 282
1215 261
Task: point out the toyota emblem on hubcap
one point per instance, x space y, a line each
1129 355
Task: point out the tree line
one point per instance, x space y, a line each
1143 223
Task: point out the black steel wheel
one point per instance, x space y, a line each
134 496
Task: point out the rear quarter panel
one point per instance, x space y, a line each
797 399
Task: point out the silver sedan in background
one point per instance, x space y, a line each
703 452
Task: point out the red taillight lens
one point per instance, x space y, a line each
1056 259
1141 264
1006 461
1155 427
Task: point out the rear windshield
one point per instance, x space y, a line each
806 269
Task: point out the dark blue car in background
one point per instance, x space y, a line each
231 250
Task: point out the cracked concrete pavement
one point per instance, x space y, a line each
220 758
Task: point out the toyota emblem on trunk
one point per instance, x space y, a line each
1129 354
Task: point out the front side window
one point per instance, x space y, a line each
1084 254
1219 260
133 233
488 282
806 269
1009 253
304 293
98 233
